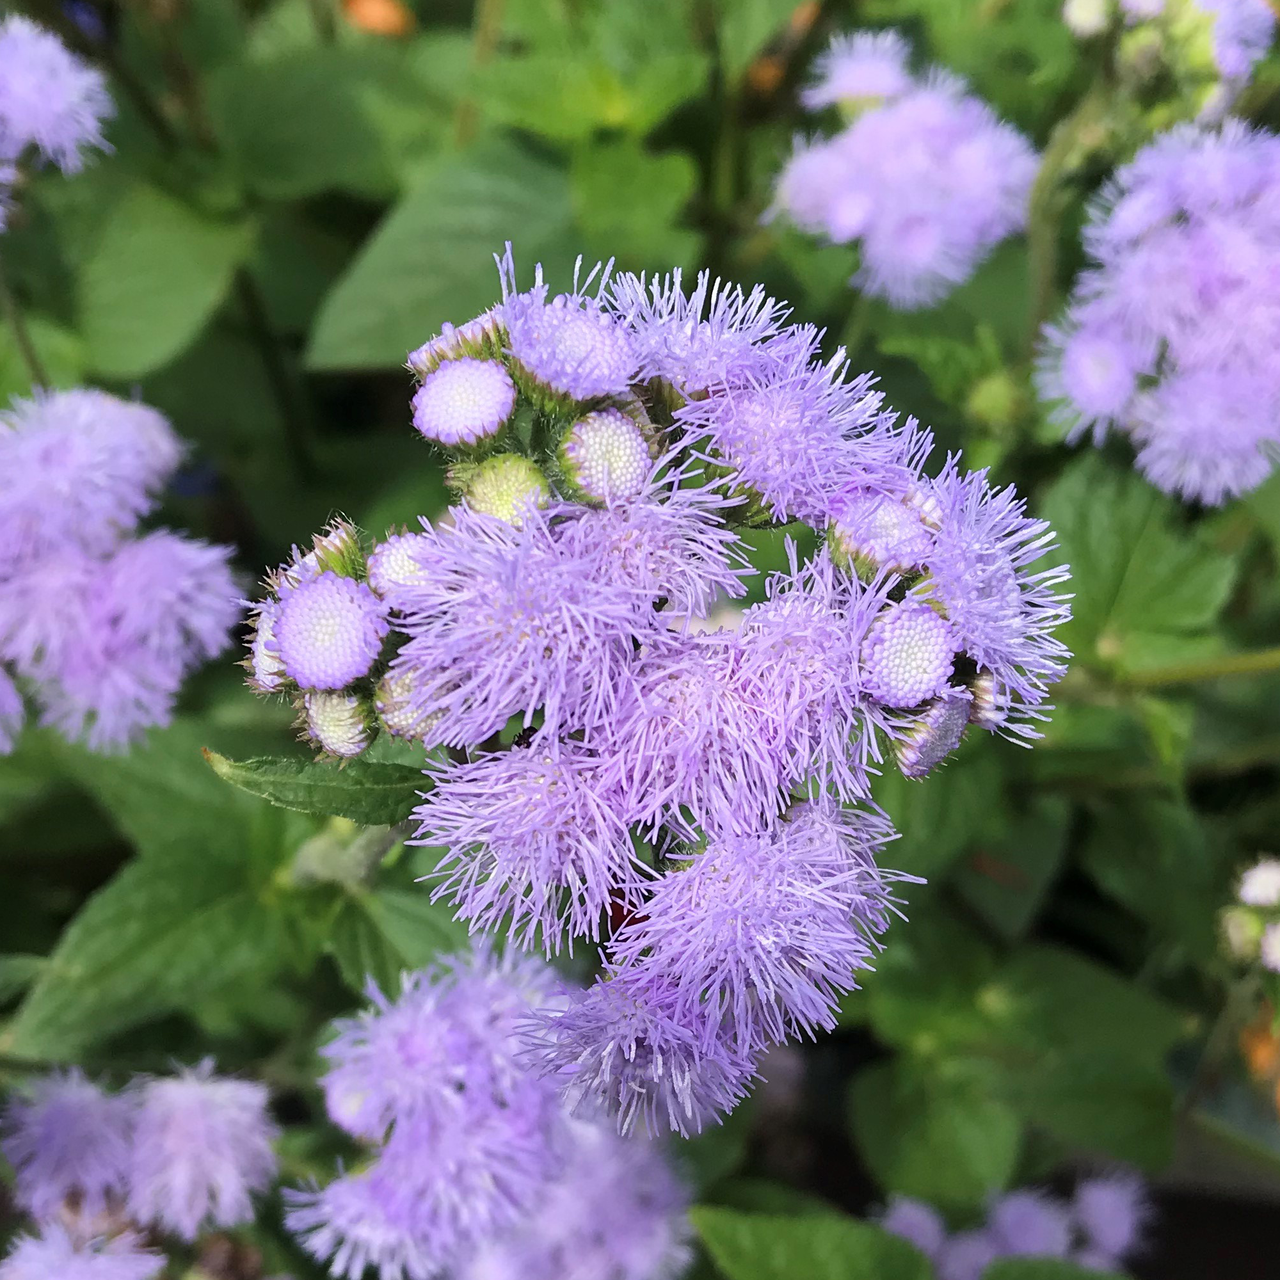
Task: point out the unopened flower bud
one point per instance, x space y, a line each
330 632
870 532
338 550
339 723
266 671
393 565
400 712
604 456
506 486
464 401
1242 932
481 338
934 734
1086 18
908 654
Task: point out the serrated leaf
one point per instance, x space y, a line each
431 259
1138 578
372 794
157 272
817 1246
945 1137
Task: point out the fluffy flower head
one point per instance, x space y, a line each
53 1255
330 632
463 401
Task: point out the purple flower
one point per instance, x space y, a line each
1172 330
795 430
536 841
201 1149
605 457
49 98
511 620
967 1255
78 468
463 401
108 642
12 712
615 1212
754 939
468 1136
858 70
872 530
67 1140
479 339
568 344
918 1223
361 1221
1030 1224
1003 610
329 632
1112 1212
669 543
623 1048
53 1255
927 184
1242 33
708 337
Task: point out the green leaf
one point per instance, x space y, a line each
1143 587
431 259
627 202
155 939
818 1246
17 973
1044 1269
939 817
158 271
372 794
160 795
1006 881
941 1136
386 932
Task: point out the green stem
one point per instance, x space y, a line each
289 395
485 31
1235 1008
1255 662
21 334
1069 145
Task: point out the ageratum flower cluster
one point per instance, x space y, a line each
924 177
1098 1229
52 104
101 623
1251 926
472 1167
1173 333
1238 32
171 1157
618 770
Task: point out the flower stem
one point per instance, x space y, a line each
1253 662
21 334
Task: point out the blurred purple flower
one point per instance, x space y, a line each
53 1255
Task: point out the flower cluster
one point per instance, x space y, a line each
473 1168
1172 332
1252 924
619 770
52 104
101 623
170 1156
1099 1228
923 177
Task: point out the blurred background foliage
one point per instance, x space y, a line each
303 190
